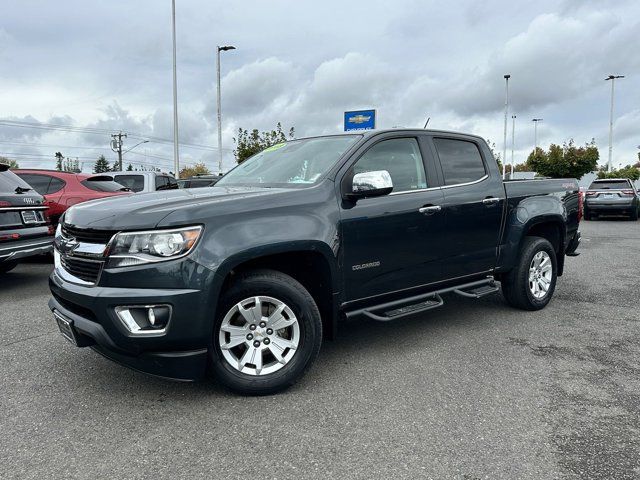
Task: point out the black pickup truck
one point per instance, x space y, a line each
24 228
244 279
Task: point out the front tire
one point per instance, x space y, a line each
267 333
530 285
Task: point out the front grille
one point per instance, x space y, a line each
83 269
88 235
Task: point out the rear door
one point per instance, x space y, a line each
389 244
474 199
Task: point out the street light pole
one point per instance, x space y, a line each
218 50
513 140
535 133
506 112
176 162
613 82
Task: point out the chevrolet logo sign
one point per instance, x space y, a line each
359 119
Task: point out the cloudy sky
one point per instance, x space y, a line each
85 68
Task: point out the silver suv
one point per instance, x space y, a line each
612 195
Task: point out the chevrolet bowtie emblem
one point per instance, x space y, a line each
359 118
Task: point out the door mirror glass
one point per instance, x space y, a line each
371 184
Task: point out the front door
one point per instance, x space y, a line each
392 242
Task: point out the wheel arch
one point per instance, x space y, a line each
313 264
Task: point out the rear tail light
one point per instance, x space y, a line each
9 236
590 194
580 206
5 204
627 192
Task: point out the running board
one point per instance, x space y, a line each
385 312
478 292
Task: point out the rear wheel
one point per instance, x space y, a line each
530 285
7 266
267 334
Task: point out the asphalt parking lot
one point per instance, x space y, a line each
472 390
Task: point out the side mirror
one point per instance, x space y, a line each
371 184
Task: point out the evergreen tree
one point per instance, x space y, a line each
59 158
101 166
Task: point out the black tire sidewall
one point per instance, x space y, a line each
288 290
6 267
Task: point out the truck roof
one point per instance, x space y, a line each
371 133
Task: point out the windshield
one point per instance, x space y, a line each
103 184
9 182
132 182
296 163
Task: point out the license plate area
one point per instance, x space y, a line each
31 216
65 325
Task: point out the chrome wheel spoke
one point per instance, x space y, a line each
540 274
256 344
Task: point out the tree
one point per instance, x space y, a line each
59 158
250 143
566 161
496 155
130 168
8 161
197 169
630 171
101 166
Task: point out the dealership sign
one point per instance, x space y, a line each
360 120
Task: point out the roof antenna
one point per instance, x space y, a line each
426 123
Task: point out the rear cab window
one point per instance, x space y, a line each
461 161
103 184
134 183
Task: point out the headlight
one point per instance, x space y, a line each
136 248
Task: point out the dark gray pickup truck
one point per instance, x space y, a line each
244 279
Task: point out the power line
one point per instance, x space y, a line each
99 131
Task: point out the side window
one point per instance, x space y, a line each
401 158
173 183
56 185
461 161
40 183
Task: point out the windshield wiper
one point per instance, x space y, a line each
20 190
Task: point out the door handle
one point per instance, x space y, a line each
430 210
490 201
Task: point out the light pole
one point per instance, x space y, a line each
128 150
176 163
513 140
506 112
535 133
218 50
613 82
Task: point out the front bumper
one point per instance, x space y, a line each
180 353
18 249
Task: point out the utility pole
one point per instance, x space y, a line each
176 162
535 133
513 140
613 81
218 50
506 112
116 146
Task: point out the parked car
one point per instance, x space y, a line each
245 278
199 181
24 229
63 189
612 195
141 182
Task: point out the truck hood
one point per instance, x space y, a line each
147 210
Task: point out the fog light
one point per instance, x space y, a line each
145 319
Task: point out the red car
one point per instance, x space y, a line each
64 189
